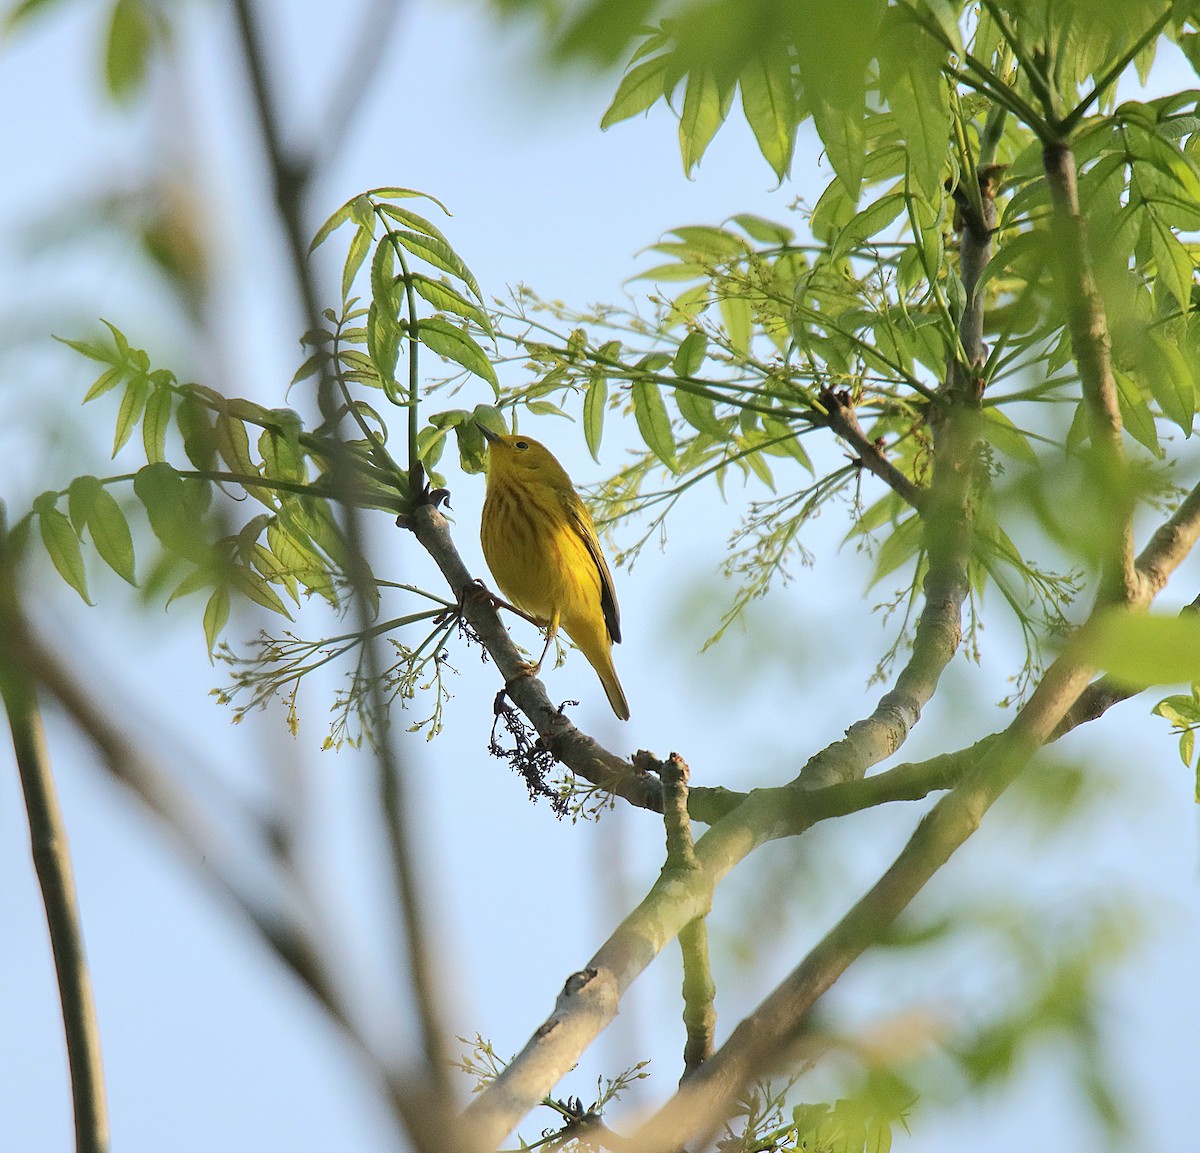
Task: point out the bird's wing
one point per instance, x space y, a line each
580 521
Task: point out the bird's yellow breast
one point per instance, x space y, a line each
538 559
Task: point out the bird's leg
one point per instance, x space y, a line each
551 633
478 588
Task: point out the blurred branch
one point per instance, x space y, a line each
52 863
767 1039
291 183
285 936
362 63
1091 347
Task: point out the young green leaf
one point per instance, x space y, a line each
705 106
155 422
62 545
440 255
769 105
595 405
130 412
689 356
81 495
355 255
252 586
653 422
700 412
128 51
110 534
1142 650
334 222
446 299
216 615
447 340
640 87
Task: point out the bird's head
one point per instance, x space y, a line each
522 456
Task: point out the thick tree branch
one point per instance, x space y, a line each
767 1039
946 509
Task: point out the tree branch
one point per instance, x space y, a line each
699 1015
52 863
1092 348
291 181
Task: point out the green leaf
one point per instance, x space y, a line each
63 547
1135 412
105 382
640 87
25 11
1173 384
216 615
705 241
705 107
394 193
910 65
233 443
448 340
763 230
735 312
310 366
81 495
127 55
1173 260
196 427
700 412
130 412
769 105
355 255
1004 435
174 508
899 548
334 222
653 422
447 299
301 561
110 534
867 223
689 356
155 422
472 448
439 254
255 588
1142 650
383 342
841 131
383 265
595 405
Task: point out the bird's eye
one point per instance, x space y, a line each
522 445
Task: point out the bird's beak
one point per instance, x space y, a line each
488 435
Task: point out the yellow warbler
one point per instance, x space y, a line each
540 543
